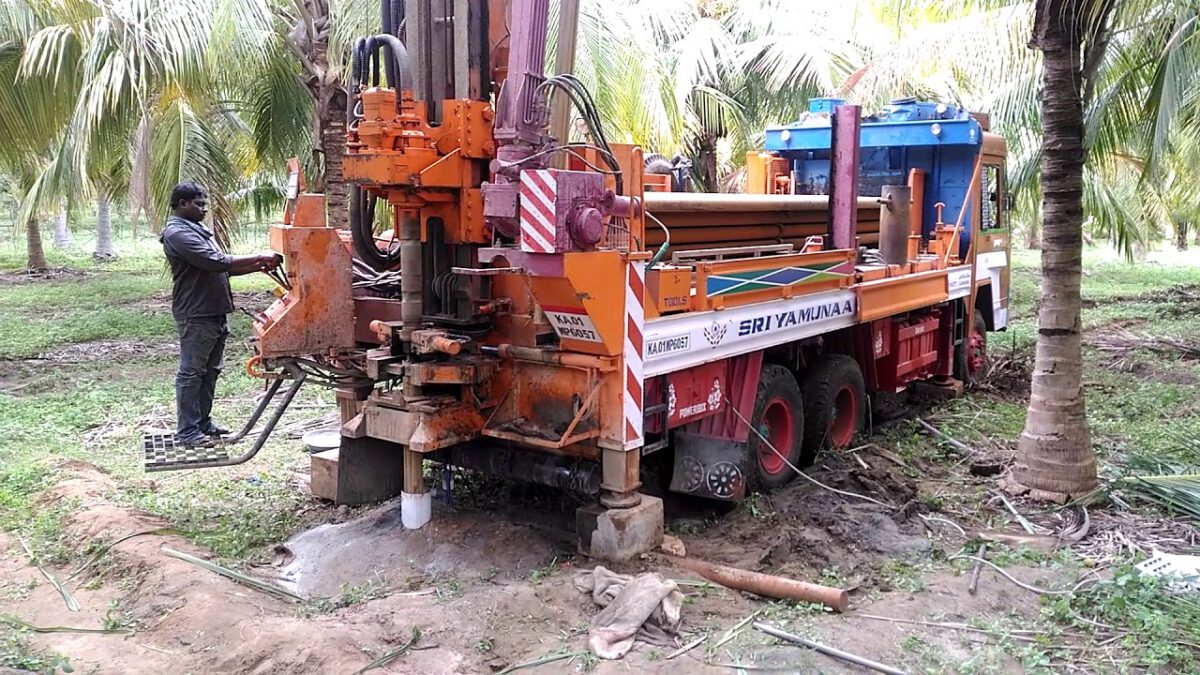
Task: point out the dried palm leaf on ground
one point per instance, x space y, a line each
238 577
1177 493
1120 341
13 621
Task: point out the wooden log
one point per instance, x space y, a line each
769 585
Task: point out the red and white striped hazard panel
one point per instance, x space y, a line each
635 329
539 190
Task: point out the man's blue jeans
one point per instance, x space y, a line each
201 358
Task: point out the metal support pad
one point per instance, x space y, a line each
162 453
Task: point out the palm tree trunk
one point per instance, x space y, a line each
708 163
1033 236
1181 234
333 145
33 245
62 233
1055 459
104 232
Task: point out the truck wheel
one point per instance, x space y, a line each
970 357
835 405
778 416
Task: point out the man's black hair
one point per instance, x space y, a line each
186 192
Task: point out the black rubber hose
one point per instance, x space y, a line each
397 16
367 250
356 69
360 47
400 69
385 16
373 58
362 232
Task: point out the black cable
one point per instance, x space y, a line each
591 116
582 100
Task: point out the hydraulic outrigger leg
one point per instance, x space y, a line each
162 454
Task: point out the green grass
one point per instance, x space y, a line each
17 653
56 411
1158 628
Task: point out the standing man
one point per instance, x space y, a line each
200 302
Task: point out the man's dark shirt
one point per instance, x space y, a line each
199 269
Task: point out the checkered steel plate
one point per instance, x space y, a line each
162 454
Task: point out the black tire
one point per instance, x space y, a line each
778 415
970 372
835 400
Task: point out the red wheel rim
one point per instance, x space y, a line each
777 425
844 420
976 352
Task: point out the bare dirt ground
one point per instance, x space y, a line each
488 588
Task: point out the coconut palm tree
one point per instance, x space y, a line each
32 119
1055 459
703 78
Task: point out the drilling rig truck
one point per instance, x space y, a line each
511 302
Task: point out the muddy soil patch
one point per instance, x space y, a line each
804 529
455 545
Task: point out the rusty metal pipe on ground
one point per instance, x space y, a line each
768 585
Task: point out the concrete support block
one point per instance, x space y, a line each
361 471
619 535
416 510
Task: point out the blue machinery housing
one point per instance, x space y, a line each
940 139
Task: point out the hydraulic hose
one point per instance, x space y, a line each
399 69
362 233
397 17
356 71
373 60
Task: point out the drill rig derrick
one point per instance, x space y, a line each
512 327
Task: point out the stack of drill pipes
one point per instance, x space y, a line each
698 221
699 202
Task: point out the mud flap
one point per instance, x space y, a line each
708 467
